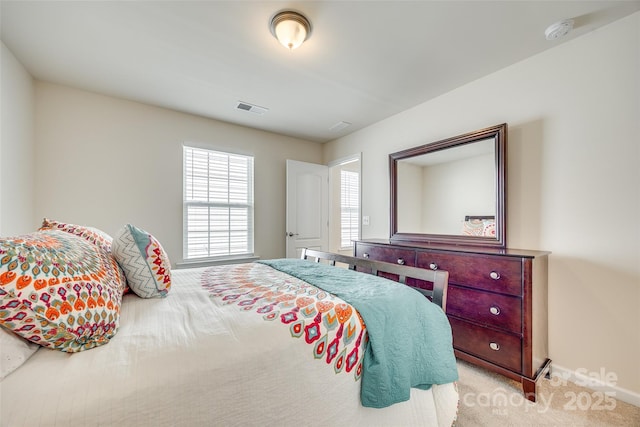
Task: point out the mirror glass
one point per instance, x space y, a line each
451 191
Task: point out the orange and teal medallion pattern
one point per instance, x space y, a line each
332 327
59 290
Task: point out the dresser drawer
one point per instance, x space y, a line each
500 311
493 273
501 348
386 254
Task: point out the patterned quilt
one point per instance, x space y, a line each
333 329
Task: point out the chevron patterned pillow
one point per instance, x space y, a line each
144 261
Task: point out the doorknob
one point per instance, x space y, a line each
290 234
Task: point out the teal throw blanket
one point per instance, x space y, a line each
410 342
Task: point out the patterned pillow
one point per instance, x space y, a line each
479 227
489 228
144 261
59 291
91 234
472 227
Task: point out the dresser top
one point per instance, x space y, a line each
459 248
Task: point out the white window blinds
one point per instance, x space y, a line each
218 204
349 207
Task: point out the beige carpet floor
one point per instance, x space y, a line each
488 399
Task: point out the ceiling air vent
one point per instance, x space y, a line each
251 108
339 126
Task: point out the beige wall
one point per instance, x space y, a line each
17 112
454 190
411 197
573 182
104 162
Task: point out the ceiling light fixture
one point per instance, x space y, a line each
559 29
290 28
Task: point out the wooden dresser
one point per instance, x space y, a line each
496 304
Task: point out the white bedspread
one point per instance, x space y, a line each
186 360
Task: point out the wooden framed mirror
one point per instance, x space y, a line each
451 191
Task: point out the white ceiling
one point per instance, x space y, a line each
364 61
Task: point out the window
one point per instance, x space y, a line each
218 204
349 207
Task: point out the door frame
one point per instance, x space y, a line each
291 225
332 220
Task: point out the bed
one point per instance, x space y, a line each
241 344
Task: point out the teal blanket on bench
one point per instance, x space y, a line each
410 342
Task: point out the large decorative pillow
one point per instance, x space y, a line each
473 227
93 235
59 290
144 261
14 351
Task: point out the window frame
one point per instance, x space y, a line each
247 250
353 207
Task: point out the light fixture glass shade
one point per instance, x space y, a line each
290 28
290 34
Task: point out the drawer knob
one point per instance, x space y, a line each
433 266
365 255
494 346
494 310
401 261
494 275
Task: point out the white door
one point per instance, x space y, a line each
307 207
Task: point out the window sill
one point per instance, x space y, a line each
218 261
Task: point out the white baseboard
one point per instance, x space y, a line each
599 381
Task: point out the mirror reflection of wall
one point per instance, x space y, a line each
437 190
344 215
410 197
